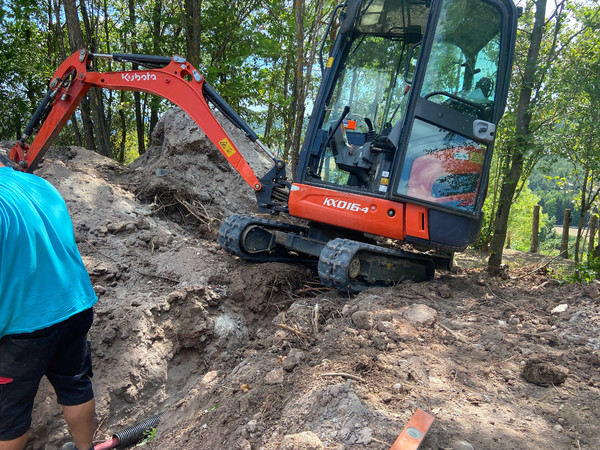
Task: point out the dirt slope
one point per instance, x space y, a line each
247 356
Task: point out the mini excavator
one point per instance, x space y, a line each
398 146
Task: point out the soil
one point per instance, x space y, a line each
239 355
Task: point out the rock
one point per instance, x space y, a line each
514 320
306 440
420 315
275 376
252 425
231 331
348 310
293 358
543 373
461 445
243 444
445 291
560 308
591 290
365 436
362 320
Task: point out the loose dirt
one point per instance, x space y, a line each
261 356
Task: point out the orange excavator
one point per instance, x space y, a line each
397 150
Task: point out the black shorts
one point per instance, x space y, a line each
61 352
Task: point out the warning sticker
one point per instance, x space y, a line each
227 147
477 158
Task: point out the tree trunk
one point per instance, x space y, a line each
535 230
156 34
121 152
564 243
592 243
137 99
512 176
77 43
193 26
305 60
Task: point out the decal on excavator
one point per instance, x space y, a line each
137 77
343 204
227 147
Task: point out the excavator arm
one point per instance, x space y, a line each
172 78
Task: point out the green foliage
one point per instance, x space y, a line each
585 272
247 51
149 434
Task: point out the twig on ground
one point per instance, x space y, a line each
315 319
380 442
507 302
343 375
294 330
453 333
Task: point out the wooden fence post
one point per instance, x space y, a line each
564 243
535 230
592 243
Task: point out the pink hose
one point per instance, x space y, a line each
114 442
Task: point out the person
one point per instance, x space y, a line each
46 300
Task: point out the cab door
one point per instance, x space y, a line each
458 96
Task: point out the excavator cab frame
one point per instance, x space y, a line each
408 156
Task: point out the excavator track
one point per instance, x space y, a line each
255 239
354 266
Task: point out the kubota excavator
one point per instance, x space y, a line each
397 149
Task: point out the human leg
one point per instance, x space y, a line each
70 372
23 360
14 444
81 421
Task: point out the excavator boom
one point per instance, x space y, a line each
172 78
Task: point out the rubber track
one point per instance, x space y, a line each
338 253
231 231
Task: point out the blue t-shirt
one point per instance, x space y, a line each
42 278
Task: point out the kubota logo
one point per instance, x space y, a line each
137 77
343 204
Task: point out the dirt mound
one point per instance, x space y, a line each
248 356
185 174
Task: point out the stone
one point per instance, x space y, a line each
560 308
445 291
275 376
461 445
365 436
293 358
362 320
252 425
348 309
420 315
306 440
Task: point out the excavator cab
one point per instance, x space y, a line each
401 136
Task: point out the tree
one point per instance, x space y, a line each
579 128
520 154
